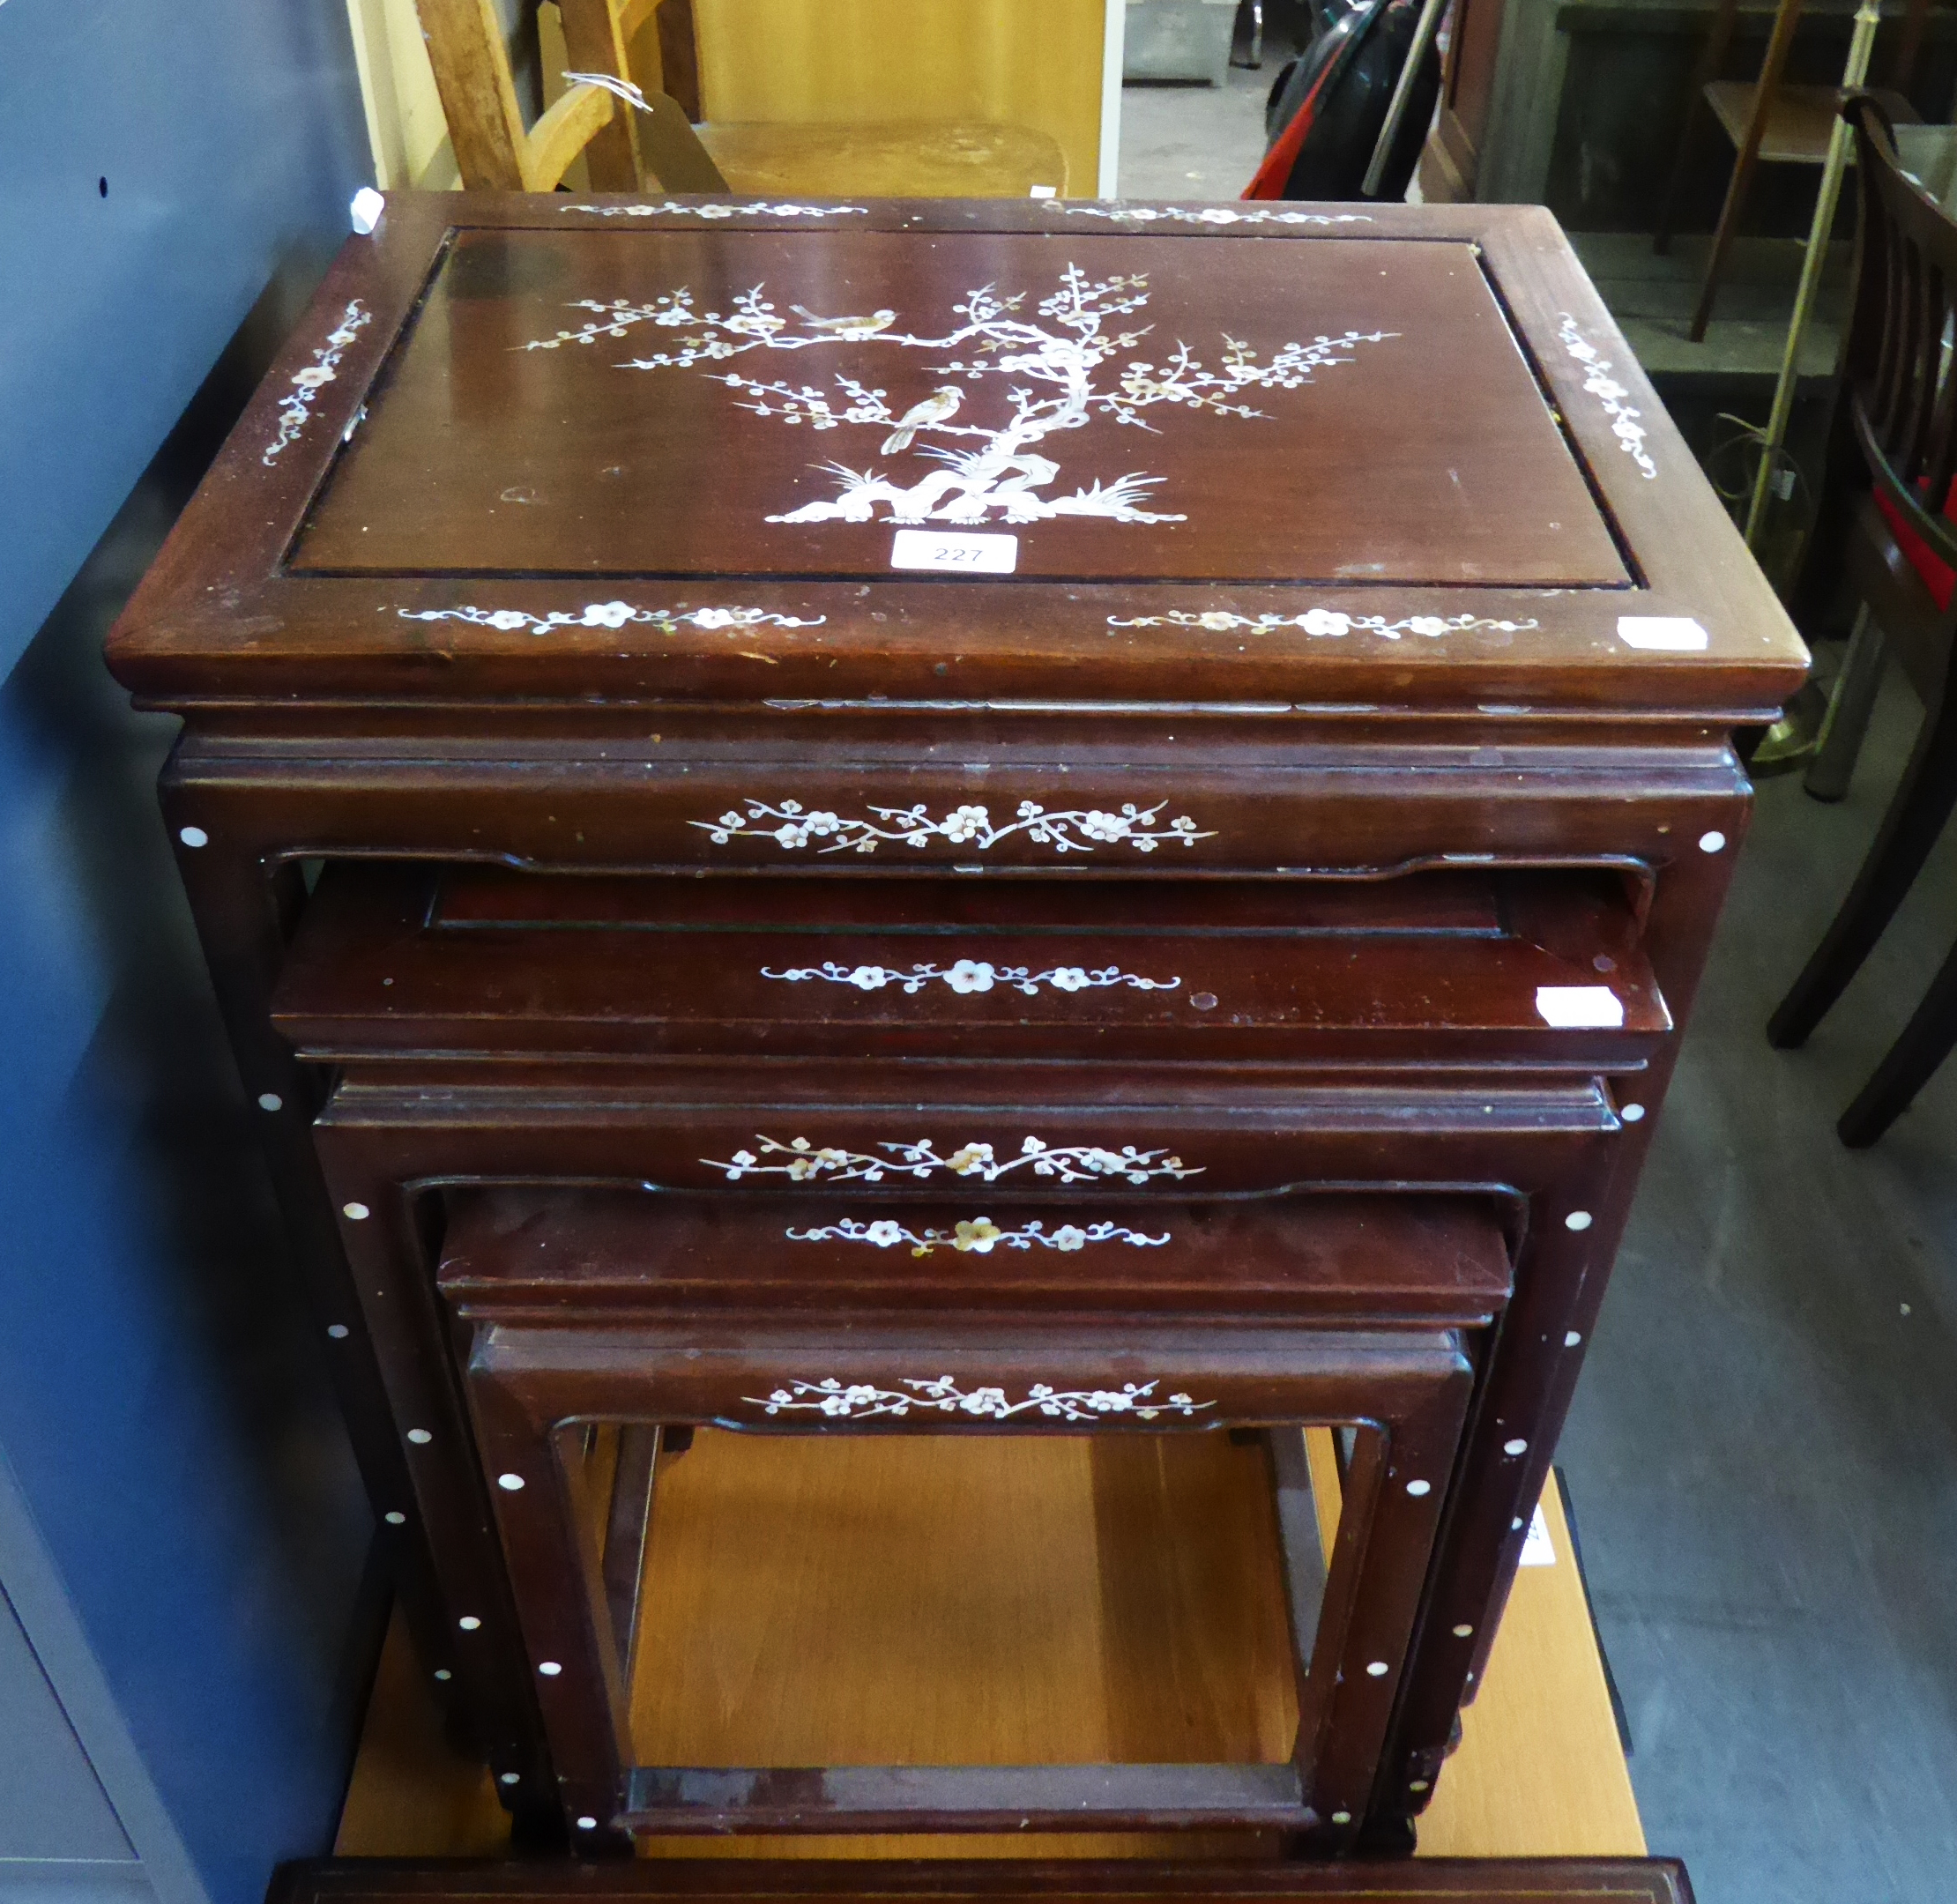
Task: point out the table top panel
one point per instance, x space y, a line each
676 403
1307 461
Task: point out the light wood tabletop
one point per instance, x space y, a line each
922 1599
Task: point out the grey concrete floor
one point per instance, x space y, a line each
1763 1452
1195 141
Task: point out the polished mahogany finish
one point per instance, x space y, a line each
1344 974
1344 620
717 1346
1327 1258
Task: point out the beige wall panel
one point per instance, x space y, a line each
1033 62
404 127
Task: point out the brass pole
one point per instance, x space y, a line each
1860 46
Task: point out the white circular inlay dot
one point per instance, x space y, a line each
1376 1669
1571 1337
271 1101
1342 1817
394 1517
1515 1447
1633 1113
442 1673
355 1212
337 1330
1577 1219
512 1778
1713 842
420 1436
587 1823
549 1668
1417 1784
468 1623
510 1483
1465 1632
1417 1488
193 835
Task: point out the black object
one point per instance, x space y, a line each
1341 86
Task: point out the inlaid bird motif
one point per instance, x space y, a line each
849 329
938 407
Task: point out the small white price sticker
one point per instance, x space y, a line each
958 554
1571 1008
1538 1550
1673 634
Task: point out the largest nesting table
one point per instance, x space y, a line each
1146 569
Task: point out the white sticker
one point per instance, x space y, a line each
1537 1549
364 213
1572 1007
1678 633
961 555
1043 192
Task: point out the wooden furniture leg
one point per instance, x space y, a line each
1704 68
1409 1390
1785 21
1301 1551
1839 743
1526 1393
243 915
1908 1064
1908 45
629 1528
1909 830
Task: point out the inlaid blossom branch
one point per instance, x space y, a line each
295 409
1330 621
977 1235
802 1161
791 827
760 208
1597 380
857 1401
1067 361
613 615
1215 216
968 976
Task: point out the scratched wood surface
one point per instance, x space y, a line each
678 423
1054 1599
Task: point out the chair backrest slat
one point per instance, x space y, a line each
1900 388
493 150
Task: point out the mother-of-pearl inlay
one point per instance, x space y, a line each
295 409
612 614
966 976
1215 216
759 208
802 1161
856 1400
1074 829
1321 622
1015 377
1609 392
977 1235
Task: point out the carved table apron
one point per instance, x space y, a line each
1149 547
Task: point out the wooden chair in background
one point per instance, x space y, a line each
1901 404
839 145
1769 122
493 149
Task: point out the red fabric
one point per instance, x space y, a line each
1936 573
1275 172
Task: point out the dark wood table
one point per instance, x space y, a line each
1185 568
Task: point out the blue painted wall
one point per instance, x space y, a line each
186 1540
